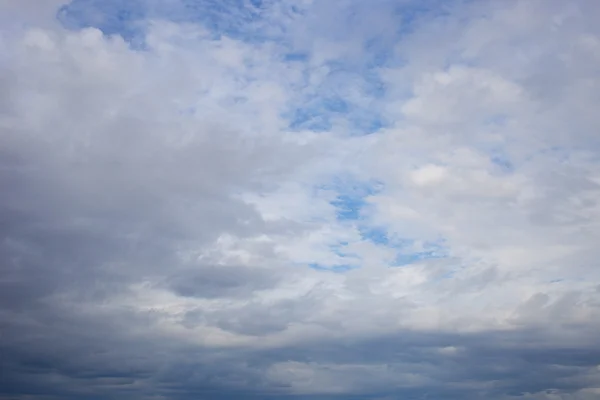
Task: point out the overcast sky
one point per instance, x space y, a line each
299 199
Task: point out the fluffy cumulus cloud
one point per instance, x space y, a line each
299 199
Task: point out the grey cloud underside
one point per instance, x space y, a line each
215 281
84 357
132 266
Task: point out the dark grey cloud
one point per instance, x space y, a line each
91 356
216 281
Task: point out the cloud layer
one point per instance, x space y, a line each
317 200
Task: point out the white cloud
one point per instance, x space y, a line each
428 175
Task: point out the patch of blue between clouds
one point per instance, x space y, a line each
350 260
316 113
246 21
109 16
348 207
296 56
319 114
351 204
413 257
333 268
377 235
408 253
242 19
350 93
351 196
234 18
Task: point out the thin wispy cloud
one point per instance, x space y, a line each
299 199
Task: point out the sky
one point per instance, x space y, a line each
299 199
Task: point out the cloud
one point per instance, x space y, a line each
299 199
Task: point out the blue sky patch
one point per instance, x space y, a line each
351 198
111 17
332 268
411 258
316 114
375 235
348 207
430 250
296 57
236 18
340 250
